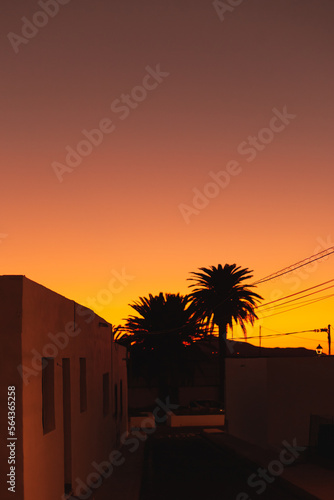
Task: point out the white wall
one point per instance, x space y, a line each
53 326
120 374
246 399
44 313
299 388
272 399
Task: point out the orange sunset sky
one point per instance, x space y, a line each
181 89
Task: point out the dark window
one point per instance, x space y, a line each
48 395
105 393
121 398
115 401
83 385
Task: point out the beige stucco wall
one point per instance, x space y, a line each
53 326
246 399
299 388
270 400
120 374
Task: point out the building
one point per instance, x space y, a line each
69 381
271 400
202 366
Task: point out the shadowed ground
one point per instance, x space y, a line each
182 464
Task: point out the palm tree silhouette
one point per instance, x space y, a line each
220 298
158 338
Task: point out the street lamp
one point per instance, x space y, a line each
319 350
328 330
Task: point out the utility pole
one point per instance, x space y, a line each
328 330
260 342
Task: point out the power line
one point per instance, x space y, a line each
275 335
306 303
269 336
286 270
270 308
296 293
283 333
309 302
307 338
297 265
297 336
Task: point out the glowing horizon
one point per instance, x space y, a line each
156 139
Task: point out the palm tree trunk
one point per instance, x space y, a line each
222 327
174 383
163 389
